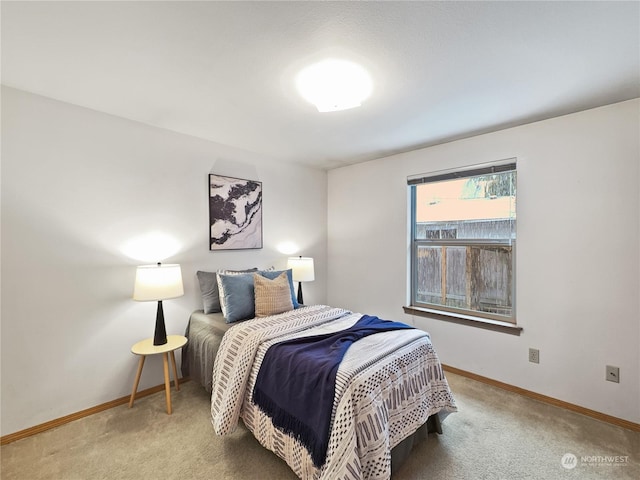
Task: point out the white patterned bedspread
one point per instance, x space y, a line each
388 384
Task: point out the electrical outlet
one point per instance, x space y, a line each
534 355
613 374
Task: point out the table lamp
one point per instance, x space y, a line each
157 283
302 271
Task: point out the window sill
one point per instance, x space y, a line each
478 322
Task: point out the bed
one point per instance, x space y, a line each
390 389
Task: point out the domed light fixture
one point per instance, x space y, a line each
333 85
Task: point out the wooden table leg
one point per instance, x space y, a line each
175 369
136 381
167 382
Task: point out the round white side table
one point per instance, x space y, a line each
146 347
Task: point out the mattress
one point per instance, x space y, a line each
204 333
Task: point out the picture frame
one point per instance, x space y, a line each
235 213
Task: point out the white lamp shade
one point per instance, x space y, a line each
302 269
158 282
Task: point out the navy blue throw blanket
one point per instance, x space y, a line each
297 379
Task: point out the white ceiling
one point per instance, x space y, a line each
224 71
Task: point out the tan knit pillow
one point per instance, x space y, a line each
272 296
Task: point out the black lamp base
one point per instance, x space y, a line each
300 293
160 335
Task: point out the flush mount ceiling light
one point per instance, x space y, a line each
333 85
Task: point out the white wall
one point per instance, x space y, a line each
77 185
577 258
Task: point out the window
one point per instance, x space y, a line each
463 235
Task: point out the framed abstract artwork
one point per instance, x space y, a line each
235 213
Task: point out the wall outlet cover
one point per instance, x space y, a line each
613 374
534 355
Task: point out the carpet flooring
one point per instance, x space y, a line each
495 435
